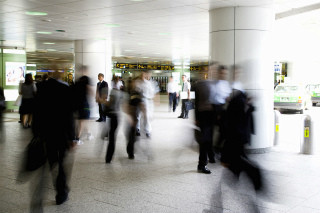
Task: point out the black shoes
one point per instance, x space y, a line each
60 199
186 117
101 120
137 132
204 169
180 116
131 156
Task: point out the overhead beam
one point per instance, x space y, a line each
296 11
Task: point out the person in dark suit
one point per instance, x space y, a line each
239 120
53 122
101 94
204 120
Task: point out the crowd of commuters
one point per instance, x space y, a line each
218 104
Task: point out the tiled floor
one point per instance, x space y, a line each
162 177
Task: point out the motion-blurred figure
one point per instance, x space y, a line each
112 111
53 123
148 89
81 91
186 87
27 90
204 120
220 91
173 94
134 103
239 127
101 94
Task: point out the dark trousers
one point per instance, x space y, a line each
206 119
112 136
101 112
172 101
56 151
220 121
184 111
131 134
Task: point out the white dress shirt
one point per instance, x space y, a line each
172 87
220 91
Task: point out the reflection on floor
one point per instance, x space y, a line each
162 177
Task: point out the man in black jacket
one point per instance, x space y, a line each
101 93
53 122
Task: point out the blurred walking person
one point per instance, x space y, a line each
186 87
112 111
81 91
204 120
134 103
101 94
27 90
172 93
220 92
239 127
53 123
148 89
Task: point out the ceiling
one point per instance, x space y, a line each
138 30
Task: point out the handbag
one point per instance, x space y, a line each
189 105
18 101
36 155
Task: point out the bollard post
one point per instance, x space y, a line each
276 127
306 142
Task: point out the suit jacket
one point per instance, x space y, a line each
53 117
102 90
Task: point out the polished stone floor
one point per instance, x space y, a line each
161 178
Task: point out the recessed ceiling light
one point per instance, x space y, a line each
42 32
113 25
36 13
48 43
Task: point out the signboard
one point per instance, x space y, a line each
195 68
15 72
144 66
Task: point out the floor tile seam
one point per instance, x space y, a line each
310 207
220 207
108 203
12 204
161 204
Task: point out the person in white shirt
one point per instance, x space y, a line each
220 91
185 88
172 93
147 88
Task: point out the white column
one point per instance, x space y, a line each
243 36
97 55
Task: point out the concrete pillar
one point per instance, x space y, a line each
243 36
97 55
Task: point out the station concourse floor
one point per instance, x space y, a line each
161 178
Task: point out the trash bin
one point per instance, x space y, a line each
307 146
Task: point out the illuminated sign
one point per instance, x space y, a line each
195 68
144 66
